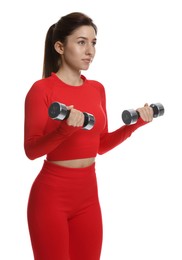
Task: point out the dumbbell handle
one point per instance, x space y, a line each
59 111
131 116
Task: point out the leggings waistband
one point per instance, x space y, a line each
72 172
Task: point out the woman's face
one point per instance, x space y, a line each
79 50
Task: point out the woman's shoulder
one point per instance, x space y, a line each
42 85
96 84
43 82
40 88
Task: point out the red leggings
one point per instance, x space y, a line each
64 215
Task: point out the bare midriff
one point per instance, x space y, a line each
76 163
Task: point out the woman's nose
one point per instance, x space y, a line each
90 49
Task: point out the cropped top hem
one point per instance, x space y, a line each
78 155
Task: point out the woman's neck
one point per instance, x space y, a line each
70 78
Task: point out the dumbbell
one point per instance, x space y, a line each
131 116
59 111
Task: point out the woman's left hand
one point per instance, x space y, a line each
146 113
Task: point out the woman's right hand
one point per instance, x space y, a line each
76 117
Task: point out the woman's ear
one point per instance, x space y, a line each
58 46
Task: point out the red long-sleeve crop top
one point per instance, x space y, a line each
57 140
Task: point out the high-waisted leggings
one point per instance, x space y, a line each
64 215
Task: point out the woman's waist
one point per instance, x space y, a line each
74 163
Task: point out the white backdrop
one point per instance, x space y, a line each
138 60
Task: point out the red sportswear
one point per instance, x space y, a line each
57 140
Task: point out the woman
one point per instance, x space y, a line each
64 215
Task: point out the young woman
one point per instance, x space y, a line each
64 215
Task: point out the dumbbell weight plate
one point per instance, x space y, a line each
57 111
158 109
130 116
89 121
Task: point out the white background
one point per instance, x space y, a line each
138 60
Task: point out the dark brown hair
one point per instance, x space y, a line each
59 32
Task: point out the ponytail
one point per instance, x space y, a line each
51 57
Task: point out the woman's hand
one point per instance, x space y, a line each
76 117
146 113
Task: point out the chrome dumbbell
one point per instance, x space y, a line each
59 111
131 116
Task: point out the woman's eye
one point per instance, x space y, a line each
81 42
94 43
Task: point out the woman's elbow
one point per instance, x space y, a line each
30 153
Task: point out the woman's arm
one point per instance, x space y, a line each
37 141
109 140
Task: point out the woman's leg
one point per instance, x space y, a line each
86 234
48 224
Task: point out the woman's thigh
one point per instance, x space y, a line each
48 225
85 231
